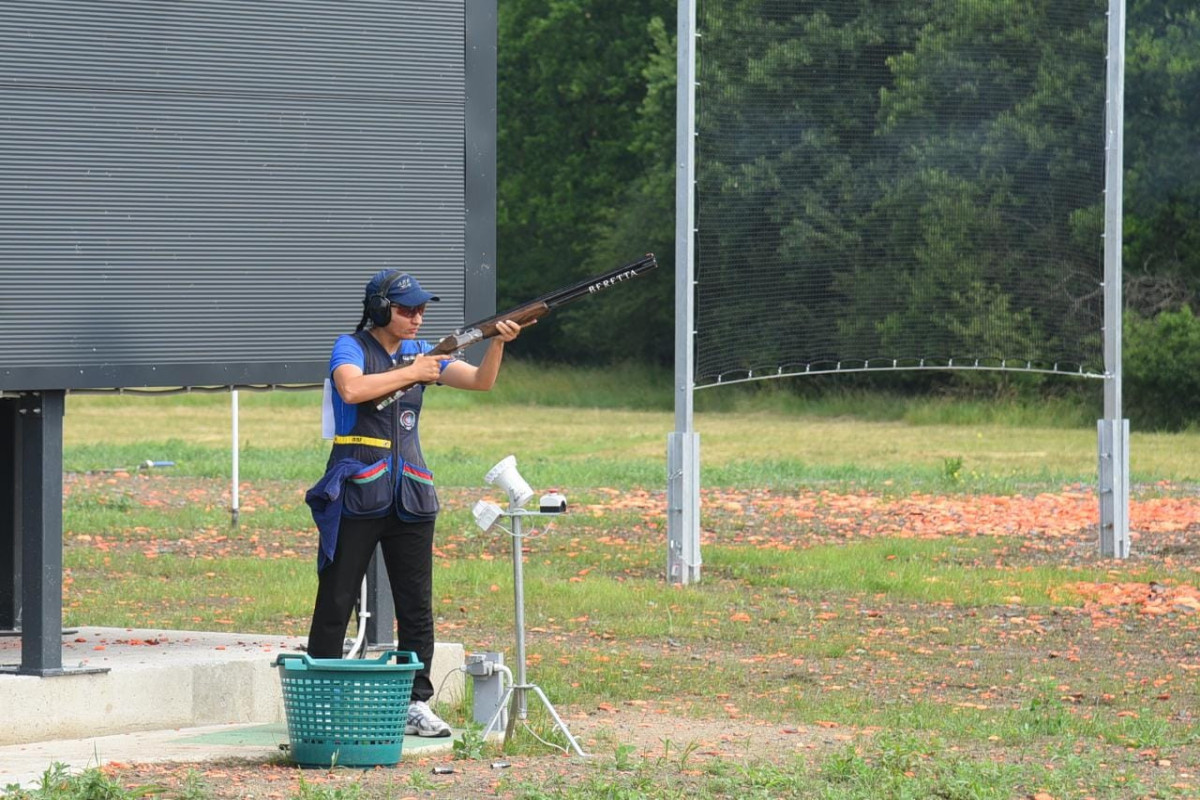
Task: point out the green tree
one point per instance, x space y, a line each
995 181
572 104
1162 156
900 181
1162 369
788 108
899 166
638 322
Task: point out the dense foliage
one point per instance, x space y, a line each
586 143
587 138
1162 156
897 182
1162 368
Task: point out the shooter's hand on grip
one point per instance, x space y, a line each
425 369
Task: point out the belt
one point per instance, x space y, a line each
367 440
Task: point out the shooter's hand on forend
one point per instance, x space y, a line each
507 330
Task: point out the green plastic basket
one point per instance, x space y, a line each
346 712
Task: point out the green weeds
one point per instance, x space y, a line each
60 783
471 744
312 791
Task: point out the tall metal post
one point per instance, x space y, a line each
40 418
520 709
683 444
482 33
1113 430
37 476
235 449
10 519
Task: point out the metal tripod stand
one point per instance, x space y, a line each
519 689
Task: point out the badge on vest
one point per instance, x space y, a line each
408 419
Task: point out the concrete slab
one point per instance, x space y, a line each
158 682
24 764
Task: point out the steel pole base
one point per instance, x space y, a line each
517 694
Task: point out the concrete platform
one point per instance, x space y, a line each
25 764
160 683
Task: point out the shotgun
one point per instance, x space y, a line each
527 314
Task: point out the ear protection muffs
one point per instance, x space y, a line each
377 306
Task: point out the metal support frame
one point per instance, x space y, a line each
683 445
481 48
39 423
683 508
10 521
683 470
518 691
1114 487
1113 438
36 478
235 504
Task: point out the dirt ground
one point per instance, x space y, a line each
635 736
1123 643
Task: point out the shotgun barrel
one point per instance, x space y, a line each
528 313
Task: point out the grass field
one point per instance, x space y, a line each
908 605
588 428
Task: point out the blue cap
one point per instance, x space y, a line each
403 290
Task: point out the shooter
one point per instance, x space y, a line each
377 489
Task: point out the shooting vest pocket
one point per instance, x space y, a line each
369 493
418 498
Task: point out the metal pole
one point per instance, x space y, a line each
479 299
41 421
38 478
517 692
1113 430
683 445
520 704
10 518
233 491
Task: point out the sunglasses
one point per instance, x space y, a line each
408 312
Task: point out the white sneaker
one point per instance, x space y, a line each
423 722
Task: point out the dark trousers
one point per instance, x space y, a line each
408 555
